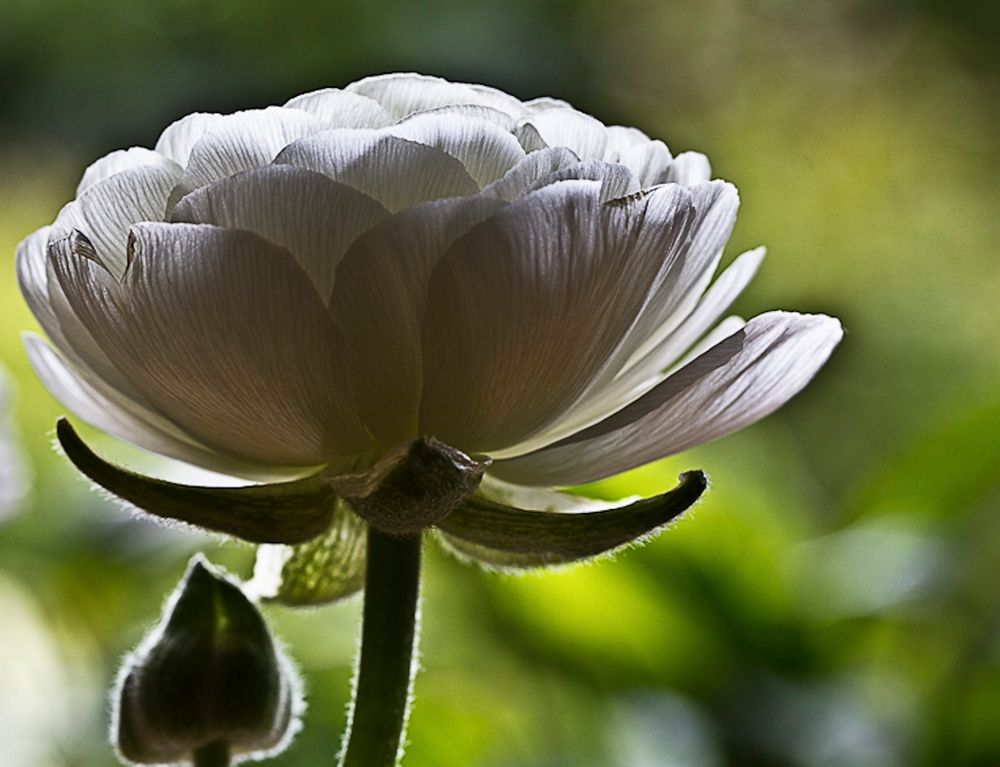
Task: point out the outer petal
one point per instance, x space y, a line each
688 250
486 150
31 278
645 372
106 210
526 309
242 141
310 215
337 108
732 385
108 410
396 172
120 160
379 301
713 305
222 332
74 341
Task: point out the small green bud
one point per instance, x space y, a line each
208 676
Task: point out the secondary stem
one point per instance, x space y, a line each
388 638
213 755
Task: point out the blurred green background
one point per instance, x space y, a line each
834 600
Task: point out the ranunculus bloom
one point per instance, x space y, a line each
317 283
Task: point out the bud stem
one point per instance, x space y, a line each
214 754
388 638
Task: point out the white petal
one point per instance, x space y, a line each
616 180
127 421
734 384
545 103
31 278
679 348
72 339
310 215
242 141
647 159
689 269
723 330
223 333
396 172
337 108
529 137
525 310
574 130
479 111
486 150
526 175
544 499
379 300
403 94
53 313
688 169
719 297
665 217
120 160
550 165
106 210
499 100
179 138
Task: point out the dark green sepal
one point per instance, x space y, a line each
284 512
209 680
496 535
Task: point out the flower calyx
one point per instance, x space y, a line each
413 486
208 679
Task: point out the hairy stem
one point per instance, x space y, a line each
388 639
214 754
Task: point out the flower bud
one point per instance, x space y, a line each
209 676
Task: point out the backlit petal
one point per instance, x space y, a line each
379 301
396 172
310 215
123 159
338 108
486 150
106 210
242 141
525 309
246 357
737 382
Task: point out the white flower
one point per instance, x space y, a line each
314 284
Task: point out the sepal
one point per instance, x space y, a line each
283 512
504 537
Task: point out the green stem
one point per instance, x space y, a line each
388 639
214 754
